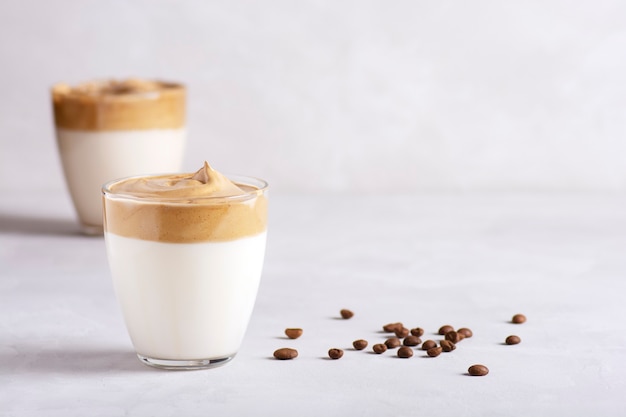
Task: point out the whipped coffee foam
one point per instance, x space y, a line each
195 207
206 182
131 104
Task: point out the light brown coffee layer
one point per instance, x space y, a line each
131 104
203 206
185 223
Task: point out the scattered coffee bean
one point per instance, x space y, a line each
429 344
411 338
454 337
346 314
392 342
513 340
285 353
335 353
359 344
518 319
465 332
434 351
478 370
447 346
411 341
379 348
405 352
391 327
293 333
418 331
445 329
401 332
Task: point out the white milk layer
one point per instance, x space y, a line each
186 301
92 158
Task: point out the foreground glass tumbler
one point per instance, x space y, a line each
186 271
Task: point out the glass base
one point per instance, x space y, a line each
91 229
184 365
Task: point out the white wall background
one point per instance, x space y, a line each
342 95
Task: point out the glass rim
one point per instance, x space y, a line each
260 187
60 89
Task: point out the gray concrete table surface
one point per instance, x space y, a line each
469 260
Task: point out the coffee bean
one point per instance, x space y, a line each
346 314
518 319
401 332
465 332
379 348
418 331
478 370
293 333
447 346
513 340
411 341
392 342
335 353
454 337
285 353
359 344
391 327
429 344
445 329
434 351
405 352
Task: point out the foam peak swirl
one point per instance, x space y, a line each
206 182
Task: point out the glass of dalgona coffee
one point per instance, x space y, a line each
186 253
112 129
